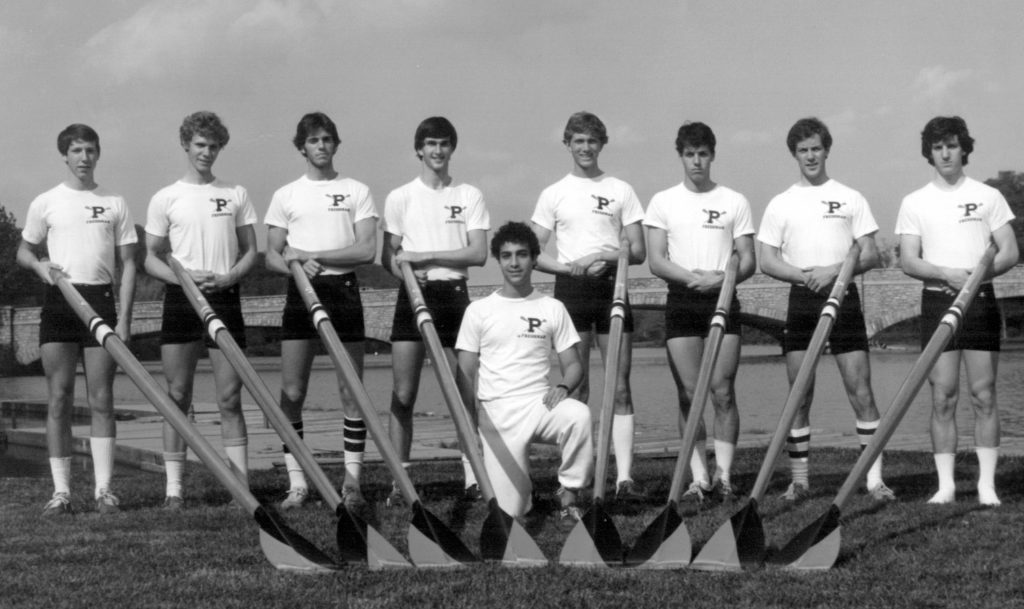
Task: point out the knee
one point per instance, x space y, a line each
723 397
983 398
294 393
402 403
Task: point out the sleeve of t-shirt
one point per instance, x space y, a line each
125 225
544 213
275 213
771 226
157 222
632 210
744 224
478 217
469 331
863 220
654 216
907 222
1001 213
365 207
393 214
565 333
35 227
246 212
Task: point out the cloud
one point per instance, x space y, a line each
936 83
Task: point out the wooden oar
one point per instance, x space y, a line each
354 535
740 541
665 544
817 546
502 538
283 547
431 543
595 541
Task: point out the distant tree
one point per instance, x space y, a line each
1011 184
18 286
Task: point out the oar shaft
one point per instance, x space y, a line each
805 374
343 362
948 325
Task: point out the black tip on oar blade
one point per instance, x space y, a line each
502 538
814 548
749 534
360 542
432 544
593 542
664 544
286 549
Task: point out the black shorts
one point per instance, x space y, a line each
589 302
58 322
981 327
848 332
181 323
447 301
339 295
689 312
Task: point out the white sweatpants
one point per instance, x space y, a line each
521 421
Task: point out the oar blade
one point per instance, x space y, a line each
432 544
816 547
503 539
664 544
360 542
593 542
737 544
286 549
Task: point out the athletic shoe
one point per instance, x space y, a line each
570 514
796 492
107 503
697 493
395 499
724 491
353 499
174 503
296 499
882 493
472 493
628 490
58 505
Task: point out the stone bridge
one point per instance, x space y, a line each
888 295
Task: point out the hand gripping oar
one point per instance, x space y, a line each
431 543
817 546
595 541
353 534
740 541
283 547
502 538
665 543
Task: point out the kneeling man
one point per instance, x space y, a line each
503 348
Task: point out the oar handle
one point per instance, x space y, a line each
719 321
110 341
611 369
951 320
445 378
254 383
805 373
343 362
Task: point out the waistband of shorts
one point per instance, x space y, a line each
934 286
444 282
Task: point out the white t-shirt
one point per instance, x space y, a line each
81 229
321 214
700 227
514 337
816 225
955 226
587 214
200 221
431 220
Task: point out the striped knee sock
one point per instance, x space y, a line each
354 435
798 444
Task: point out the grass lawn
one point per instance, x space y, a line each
906 554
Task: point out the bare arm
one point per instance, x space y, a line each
157 250
659 261
31 256
246 259
277 241
774 266
362 251
545 262
572 374
474 254
1008 254
392 243
468 365
126 294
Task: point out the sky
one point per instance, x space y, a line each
508 75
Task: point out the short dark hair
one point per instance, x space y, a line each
941 128
309 124
515 232
435 127
695 134
205 124
76 131
585 122
805 128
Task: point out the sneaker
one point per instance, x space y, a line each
395 499
296 499
472 493
723 490
628 490
352 498
570 514
107 502
174 503
58 505
697 493
796 492
881 492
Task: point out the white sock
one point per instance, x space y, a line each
60 469
699 465
866 431
467 471
354 434
102 462
799 446
238 460
944 466
622 441
724 452
987 458
174 466
296 477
